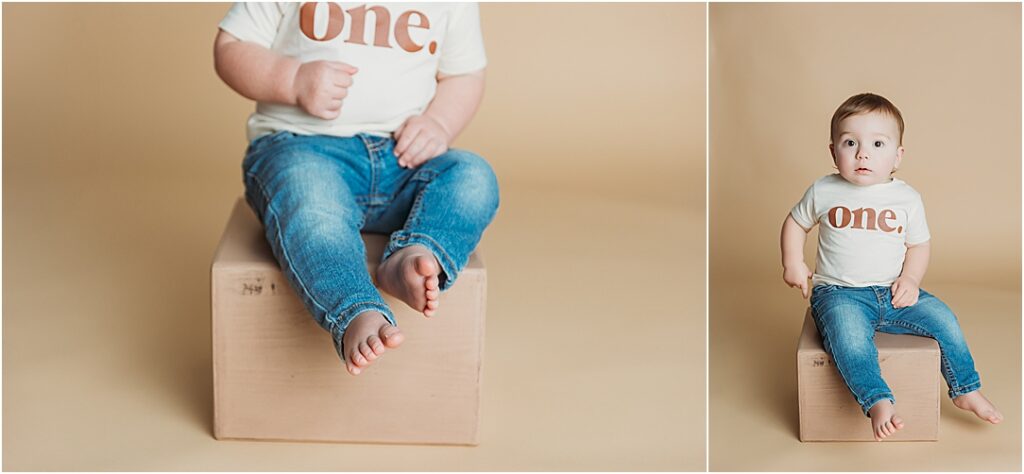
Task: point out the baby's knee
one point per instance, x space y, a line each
851 341
939 318
475 179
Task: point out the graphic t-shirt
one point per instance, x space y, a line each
864 230
398 48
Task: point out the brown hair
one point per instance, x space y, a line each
862 104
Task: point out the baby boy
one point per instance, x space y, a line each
872 254
356 107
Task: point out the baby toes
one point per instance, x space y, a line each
350 363
375 345
367 353
391 335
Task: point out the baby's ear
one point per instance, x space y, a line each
832 151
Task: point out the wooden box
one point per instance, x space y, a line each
828 411
276 374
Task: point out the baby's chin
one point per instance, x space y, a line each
859 179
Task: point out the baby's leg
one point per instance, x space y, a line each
930 317
312 221
845 318
451 199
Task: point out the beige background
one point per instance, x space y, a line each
777 73
121 161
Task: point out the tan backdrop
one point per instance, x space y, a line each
777 73
121 161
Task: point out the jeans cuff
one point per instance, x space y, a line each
402 239
872 400
964 389
346 316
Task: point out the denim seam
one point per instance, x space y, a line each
414 216
863 405
881 307
964 390
372 143
284 251
414 210
946 368
372 148
424 175
871 401
372 153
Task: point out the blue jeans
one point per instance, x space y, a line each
314 194
847 319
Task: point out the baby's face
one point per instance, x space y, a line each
867 148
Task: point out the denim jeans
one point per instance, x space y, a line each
315 193
847 319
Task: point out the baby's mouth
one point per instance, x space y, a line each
863 170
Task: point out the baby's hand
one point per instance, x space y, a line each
420 138
320 87
905 291
796 276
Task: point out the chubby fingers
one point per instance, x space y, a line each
908 297
902 296
412 154
332 102
431 148
897 294
406 136
416 145
343 67
802 286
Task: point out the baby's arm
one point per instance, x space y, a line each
905 290
795 272
256 72
423 137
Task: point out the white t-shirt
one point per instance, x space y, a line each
398 48
864 230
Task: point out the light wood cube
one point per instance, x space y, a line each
828 411
277 375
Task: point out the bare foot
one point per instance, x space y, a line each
412 275
884 422
367 337
977 403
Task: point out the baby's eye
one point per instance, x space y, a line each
849 143
878 144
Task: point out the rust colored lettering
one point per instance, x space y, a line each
381 26
859 220
307 21
884 217
839 217
402 30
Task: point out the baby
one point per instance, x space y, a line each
872 254
356 108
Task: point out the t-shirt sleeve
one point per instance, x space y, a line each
917 225
803 212
463 49
257 22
